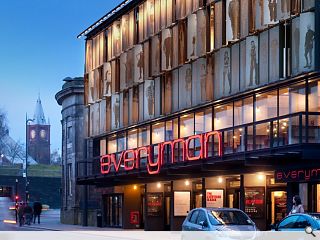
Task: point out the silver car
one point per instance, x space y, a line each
218 219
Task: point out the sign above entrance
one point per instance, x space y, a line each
131 159
297 175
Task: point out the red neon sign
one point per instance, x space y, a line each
130 159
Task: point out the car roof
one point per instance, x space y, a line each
220 209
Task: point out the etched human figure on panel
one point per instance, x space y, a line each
116 112
308 46
226 72
167 48
253 64
273 10
188 81
150 98
140 61
233 13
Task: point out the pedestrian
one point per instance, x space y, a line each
20 214
37 208
28 214
297 205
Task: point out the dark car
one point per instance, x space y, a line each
218 219
298 222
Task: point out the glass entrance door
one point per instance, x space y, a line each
113 210
277 206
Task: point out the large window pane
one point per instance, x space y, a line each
203 121
262 136
243 111
238 140
132 139
172 129
157 133
186 125
314 129
292 99
314 96
223 116
144 136
112 144
266 105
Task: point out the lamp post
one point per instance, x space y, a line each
26 163
16 199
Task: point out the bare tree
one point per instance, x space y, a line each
15 152
4 129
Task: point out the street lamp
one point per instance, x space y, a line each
25 174
16 199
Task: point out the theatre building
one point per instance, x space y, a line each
201 103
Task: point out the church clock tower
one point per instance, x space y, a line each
38 135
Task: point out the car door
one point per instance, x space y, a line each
202 217
192 224
288 224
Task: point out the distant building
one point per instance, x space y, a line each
38 136
71 99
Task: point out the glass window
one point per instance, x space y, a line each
121 141
158 133
194 216
172 129
238 140
292 99
314 129
250 141
228 141
314 96
262 136
112 144
288 222
266 105
202 217
132 139
186 125
223 116
144 136
203 121
243 111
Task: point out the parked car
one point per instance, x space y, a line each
218 219
298 222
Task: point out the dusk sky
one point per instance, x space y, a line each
38 49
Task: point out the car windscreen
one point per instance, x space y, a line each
231 217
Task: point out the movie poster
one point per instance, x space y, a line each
192 36
274 53
115 116
214 198
307 40
201 32
252 65
244 18
138 63
149 99
107 79
232 20
295 42
166 49
155 53
124 31
102 109
185 86
264 57
218 25
254 202
235 73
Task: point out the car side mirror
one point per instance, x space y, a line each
204 224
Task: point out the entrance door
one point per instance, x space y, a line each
233 198
276 205
113 210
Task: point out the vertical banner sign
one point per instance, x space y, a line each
214 198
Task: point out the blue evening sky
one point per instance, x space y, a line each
39 48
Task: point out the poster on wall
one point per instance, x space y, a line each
181 203
252 64
307 39
192 36
107 79
254 202
149 97
115 117
166 49
138 63
154 204
214 198
232 20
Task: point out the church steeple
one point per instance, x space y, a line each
38 116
